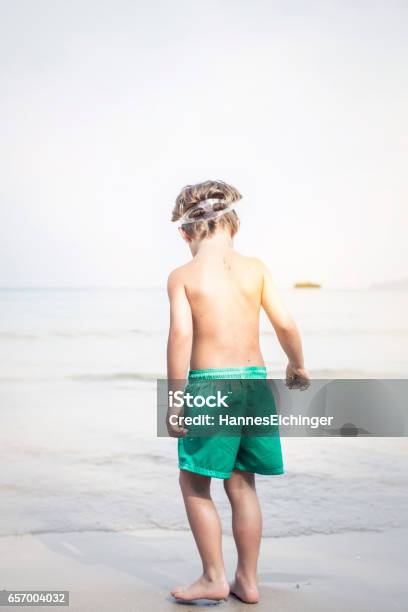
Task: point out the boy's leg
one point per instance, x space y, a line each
247 530
206 527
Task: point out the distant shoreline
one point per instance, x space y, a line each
397 286
391 285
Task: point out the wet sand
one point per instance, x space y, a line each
134 571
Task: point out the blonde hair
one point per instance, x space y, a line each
193 194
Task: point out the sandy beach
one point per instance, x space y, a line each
133 572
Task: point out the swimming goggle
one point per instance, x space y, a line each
207 211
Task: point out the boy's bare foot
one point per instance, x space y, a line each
203 588
246 590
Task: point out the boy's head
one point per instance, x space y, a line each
190 198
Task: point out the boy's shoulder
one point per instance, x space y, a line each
255 263
177 275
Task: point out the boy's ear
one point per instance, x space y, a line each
184 234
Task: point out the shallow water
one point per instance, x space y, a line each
78 416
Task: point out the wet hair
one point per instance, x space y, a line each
192 195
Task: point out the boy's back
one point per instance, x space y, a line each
224 291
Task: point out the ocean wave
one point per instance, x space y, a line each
150 333
95 378
155 525
114 459
117 376
344 331
274 372
86 529
73 334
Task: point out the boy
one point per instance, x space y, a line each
215 301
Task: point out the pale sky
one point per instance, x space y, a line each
108 108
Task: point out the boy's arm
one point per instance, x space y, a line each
286 330
181 329
178 348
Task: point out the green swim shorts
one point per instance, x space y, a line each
238 448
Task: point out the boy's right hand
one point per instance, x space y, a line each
175 430
297 378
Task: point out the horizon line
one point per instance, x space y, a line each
380 285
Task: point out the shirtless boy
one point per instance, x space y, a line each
215 302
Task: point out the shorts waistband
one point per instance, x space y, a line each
221 373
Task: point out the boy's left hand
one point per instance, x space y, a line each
297 378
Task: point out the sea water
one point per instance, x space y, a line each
78 415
